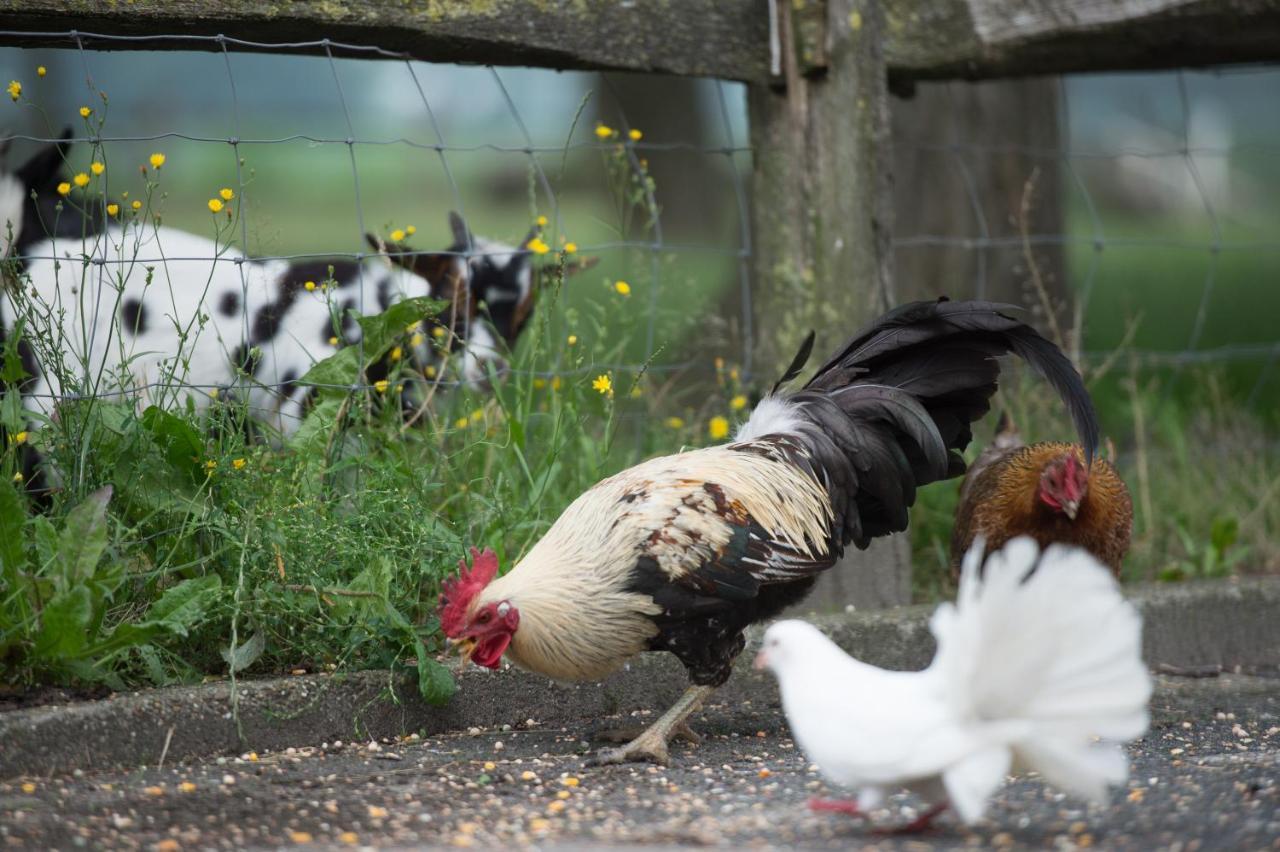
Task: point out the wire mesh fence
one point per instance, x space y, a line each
346 130
1083 162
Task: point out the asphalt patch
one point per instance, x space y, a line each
1205 777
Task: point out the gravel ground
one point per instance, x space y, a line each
1206 777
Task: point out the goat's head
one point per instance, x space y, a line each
20 216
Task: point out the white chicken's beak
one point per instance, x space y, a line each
1070 508
762 661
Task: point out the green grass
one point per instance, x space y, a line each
213 556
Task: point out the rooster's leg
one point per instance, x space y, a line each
627 733
652 743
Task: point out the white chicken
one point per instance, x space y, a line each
1038 667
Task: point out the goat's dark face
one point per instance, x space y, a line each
41 174
502 277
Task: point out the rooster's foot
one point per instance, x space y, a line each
650 746
627 733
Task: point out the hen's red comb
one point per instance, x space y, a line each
458 592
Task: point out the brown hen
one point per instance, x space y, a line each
1044 491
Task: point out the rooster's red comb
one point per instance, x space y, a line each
458 592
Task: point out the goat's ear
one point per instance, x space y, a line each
46 164
529 237
398 253
461 235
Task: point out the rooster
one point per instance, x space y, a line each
681 553
1053 492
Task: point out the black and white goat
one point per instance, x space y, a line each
157 309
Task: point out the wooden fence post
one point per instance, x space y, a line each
821 212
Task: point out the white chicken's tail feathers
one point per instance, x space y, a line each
1046 640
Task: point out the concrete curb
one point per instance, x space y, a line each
1231 624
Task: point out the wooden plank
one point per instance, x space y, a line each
716 38
821 221
710 38
998 38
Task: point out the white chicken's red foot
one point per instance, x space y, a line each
838 806
919 825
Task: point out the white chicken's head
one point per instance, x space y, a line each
784 642
483 630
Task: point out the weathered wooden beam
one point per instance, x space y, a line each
1001 38
821 221
711 38
923 39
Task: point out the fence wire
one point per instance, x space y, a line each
979 239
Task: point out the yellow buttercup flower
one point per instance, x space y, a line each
333 340
81 179
309 286
623 288
21 437
85 112
438 332
429 371
718 428
539 383
675 422
570 248
18 477
411 229
136 204
603 131
603 384
227 193
477 415
157 160
542 221
397 353
210 465
14 89
41 71
64 188
381 385
635 135
417 339
113 210
97 168
238 464
573 338
537 246
397 235
460 423
215 205
738 403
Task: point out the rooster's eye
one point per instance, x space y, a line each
484 617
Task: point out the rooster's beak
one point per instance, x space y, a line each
466 647
762 660
1070 508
